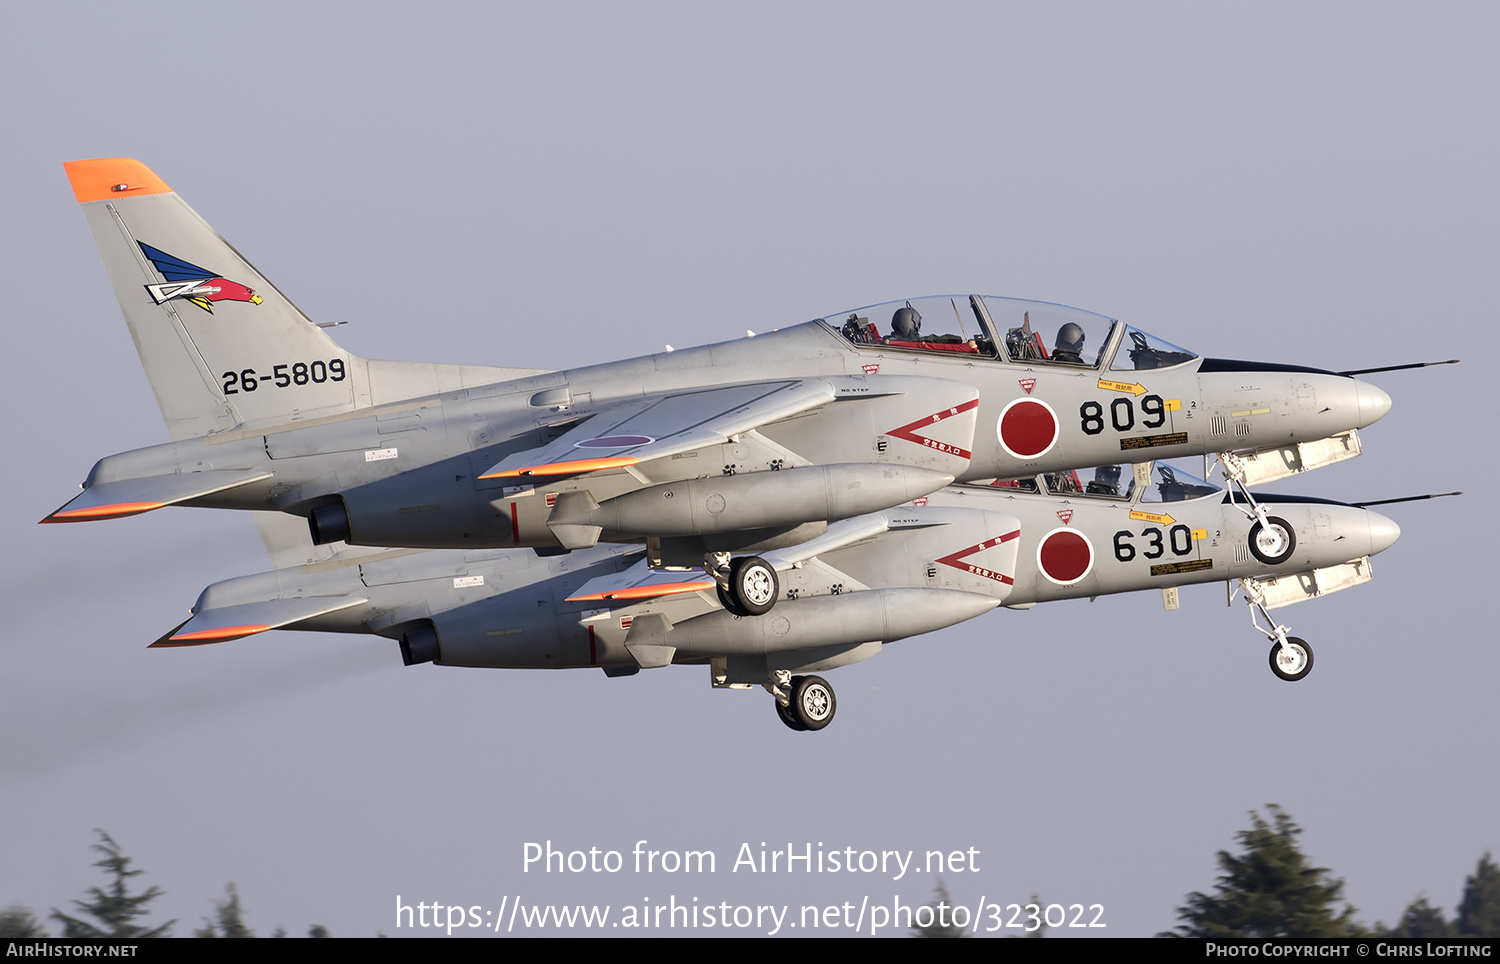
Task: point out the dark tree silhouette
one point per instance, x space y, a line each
115 909
1269 890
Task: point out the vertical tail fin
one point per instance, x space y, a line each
221 346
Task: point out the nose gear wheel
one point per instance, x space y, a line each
1291 660
1273 541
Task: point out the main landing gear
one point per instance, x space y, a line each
748 586
802 702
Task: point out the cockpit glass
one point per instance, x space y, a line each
1029 332
1038 332
1171 482
1141 352
1066 482
1105 481
946 324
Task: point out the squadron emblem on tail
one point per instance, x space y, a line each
189 282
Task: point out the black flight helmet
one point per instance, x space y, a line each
1069 343
906 323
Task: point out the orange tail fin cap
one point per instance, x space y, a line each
104 178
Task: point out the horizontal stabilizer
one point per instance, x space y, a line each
638 582
113 500
233 622
655 428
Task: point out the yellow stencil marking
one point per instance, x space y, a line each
1128 387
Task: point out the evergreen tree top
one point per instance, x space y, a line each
1479 910
1268 890
228 920
114 908
1421 919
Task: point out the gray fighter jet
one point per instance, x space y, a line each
866 581
707 456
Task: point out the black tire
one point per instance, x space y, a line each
813 701
1275 545
788 716
1300 671
753 584
730 606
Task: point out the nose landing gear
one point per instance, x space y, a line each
1291 656
1272 540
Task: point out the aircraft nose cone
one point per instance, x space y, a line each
1383 532
1373 403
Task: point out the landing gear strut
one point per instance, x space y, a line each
1291 656
1271 539
802 702
748 586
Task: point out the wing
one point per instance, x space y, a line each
639 582
656 428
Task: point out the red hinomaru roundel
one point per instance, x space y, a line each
1065 556
1027 428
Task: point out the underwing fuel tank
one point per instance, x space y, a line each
883 615
820 622
814 493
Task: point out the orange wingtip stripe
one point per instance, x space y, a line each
568 468
646 592
110 177
103 511
217 635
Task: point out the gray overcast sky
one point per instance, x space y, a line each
548 185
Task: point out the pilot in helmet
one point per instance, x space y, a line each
1106 481
1069 344
906 323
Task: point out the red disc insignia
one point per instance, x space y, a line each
1065 556
1027 428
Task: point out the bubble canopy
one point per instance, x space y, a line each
1006 330
1171 481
